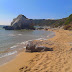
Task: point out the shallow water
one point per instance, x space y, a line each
12 41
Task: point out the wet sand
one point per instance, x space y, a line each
58 60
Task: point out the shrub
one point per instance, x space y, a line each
68 27
69 19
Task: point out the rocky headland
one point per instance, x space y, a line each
21 22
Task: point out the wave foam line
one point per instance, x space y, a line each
8 54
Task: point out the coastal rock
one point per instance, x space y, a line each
30 47
40 28
46 28
8 28
21 22
33 47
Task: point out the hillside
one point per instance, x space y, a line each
43 22
49 22
21 22
66 22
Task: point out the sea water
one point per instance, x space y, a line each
13 41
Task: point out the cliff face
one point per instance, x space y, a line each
19 18
59 22
43 22
21 22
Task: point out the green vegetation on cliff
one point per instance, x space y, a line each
21 22
59 22
43 22
68 27
66 22
69 20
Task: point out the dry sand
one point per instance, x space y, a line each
59 60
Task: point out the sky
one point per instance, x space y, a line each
34 9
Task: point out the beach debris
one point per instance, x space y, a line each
40 28
24 69
34 47
71 49
46 28
21 68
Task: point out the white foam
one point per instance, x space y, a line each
24 46
41 39
25 42
8 54
11 35
14 46
19 34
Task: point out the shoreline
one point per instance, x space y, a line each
36 61
10 56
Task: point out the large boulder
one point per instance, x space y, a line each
33 47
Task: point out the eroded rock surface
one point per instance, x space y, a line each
34 47
21 22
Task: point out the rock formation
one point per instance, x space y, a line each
34 47
21 22
8 28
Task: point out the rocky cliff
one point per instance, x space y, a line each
43 22
21 22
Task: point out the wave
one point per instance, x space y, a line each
14 34
14 46
8 54
19 34
11 35
22 45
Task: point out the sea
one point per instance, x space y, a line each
14 41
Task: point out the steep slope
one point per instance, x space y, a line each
68 23
21 22
43 22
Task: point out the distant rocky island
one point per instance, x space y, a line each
22 22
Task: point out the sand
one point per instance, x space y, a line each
58 60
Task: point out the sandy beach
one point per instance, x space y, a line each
58 60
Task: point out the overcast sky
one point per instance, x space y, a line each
34 9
